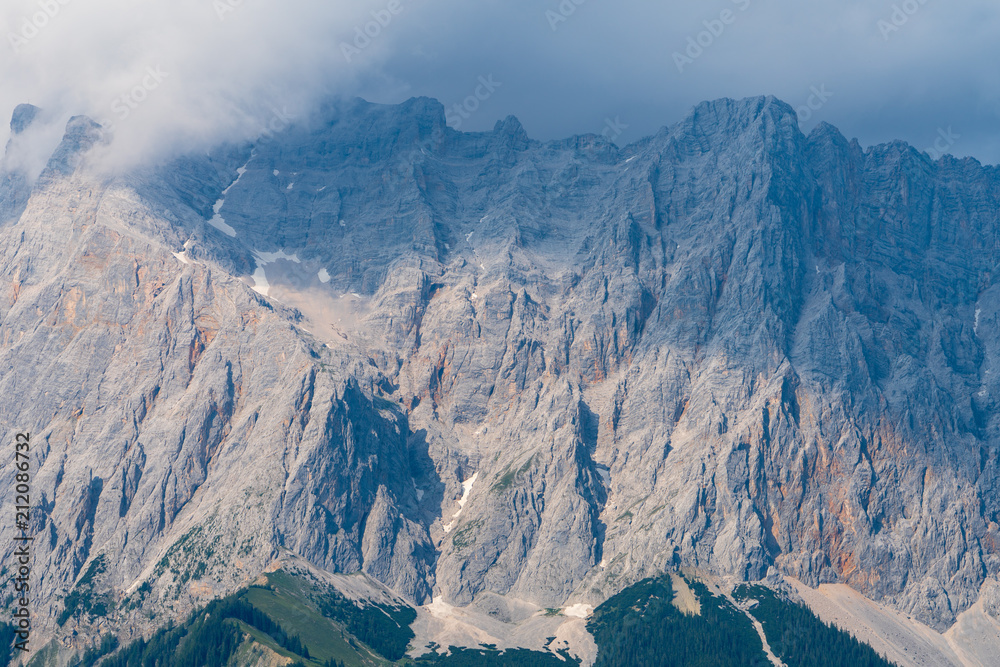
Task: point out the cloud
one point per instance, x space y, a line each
210 70
169 75
895 69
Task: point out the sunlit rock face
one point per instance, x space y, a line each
473 364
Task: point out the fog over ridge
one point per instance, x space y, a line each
184 74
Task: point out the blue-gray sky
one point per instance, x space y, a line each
885 69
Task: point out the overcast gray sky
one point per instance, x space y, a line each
217 69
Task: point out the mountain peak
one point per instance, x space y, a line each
81 135
604 357
426 113
24 115
424 106
727 126
512 132
743 110
726 116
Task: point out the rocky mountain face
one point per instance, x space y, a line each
497 371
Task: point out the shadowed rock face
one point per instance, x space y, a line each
14 186
485 364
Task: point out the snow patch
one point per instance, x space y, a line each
420 495
290 186
324 276
276 172
578 611
466 490
268 257
321 189
630 159
217 220
975 328
239 174
182 256
262 259
604 563
221 225
260 284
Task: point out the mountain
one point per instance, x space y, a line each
493 376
